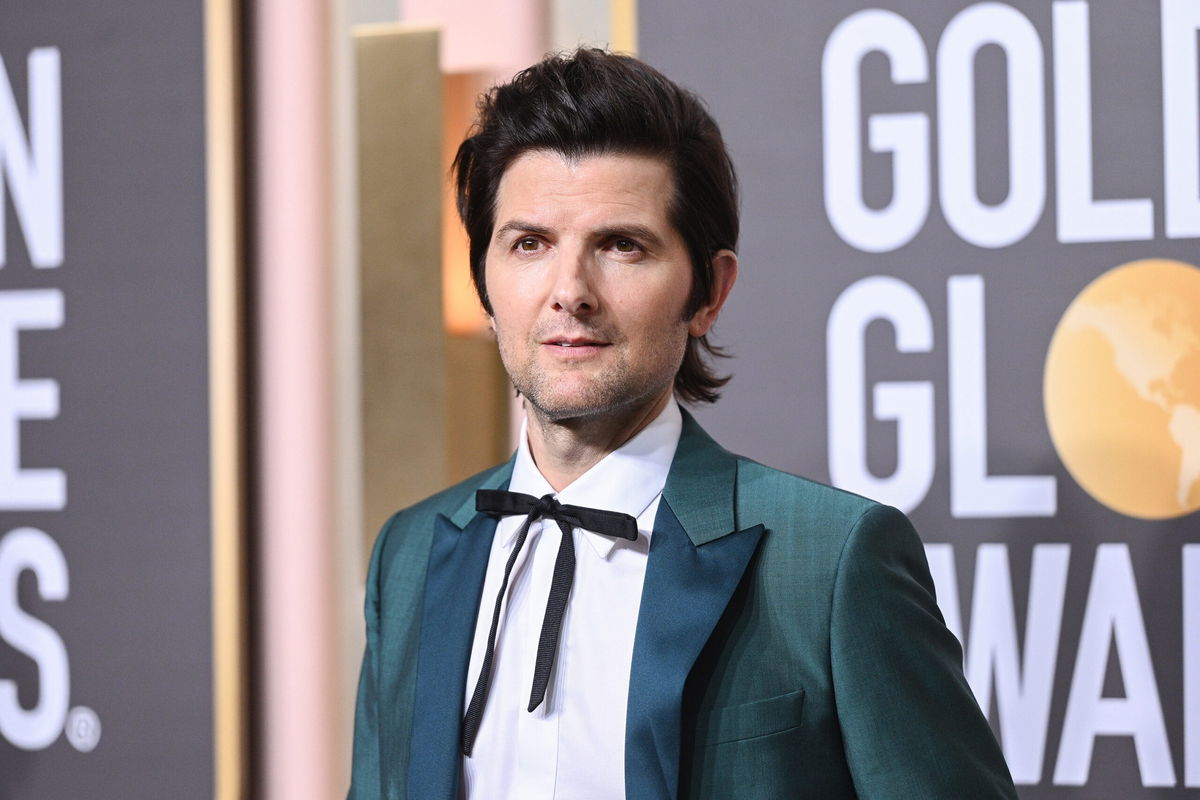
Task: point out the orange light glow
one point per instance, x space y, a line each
461 309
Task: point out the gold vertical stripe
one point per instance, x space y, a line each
226 419
623 14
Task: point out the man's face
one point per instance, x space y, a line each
588 282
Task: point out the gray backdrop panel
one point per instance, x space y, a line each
132 434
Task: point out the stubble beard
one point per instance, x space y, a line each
614 392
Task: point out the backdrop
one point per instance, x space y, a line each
969 289
105 590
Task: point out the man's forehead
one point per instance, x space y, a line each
539 182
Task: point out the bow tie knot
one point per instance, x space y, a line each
598 520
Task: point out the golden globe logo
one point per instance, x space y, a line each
1122 389
1119 431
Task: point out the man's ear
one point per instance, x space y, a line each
725 272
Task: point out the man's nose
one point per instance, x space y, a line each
573 290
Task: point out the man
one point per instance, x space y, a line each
717 629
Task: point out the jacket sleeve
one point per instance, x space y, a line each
911 726
365 780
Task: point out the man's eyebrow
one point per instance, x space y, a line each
641 233
520 226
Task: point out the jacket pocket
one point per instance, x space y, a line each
750 720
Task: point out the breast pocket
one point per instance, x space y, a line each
750 720
749 751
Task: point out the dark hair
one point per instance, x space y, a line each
592 102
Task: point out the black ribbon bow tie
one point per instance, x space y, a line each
567 517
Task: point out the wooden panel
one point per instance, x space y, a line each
478 399
403 344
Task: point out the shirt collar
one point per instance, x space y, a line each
628 479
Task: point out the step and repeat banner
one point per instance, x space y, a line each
106 643
970 289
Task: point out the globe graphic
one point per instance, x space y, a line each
1122 389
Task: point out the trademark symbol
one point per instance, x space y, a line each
83 729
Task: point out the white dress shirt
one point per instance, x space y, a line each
572 747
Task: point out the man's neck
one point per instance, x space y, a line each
565 449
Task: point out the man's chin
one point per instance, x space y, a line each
565 408
563 411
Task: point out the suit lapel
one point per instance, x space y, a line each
454 580
697 557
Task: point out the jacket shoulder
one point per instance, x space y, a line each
815 521
778 495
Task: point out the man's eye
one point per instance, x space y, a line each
625 246
528 244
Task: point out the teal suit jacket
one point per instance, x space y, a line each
788 645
